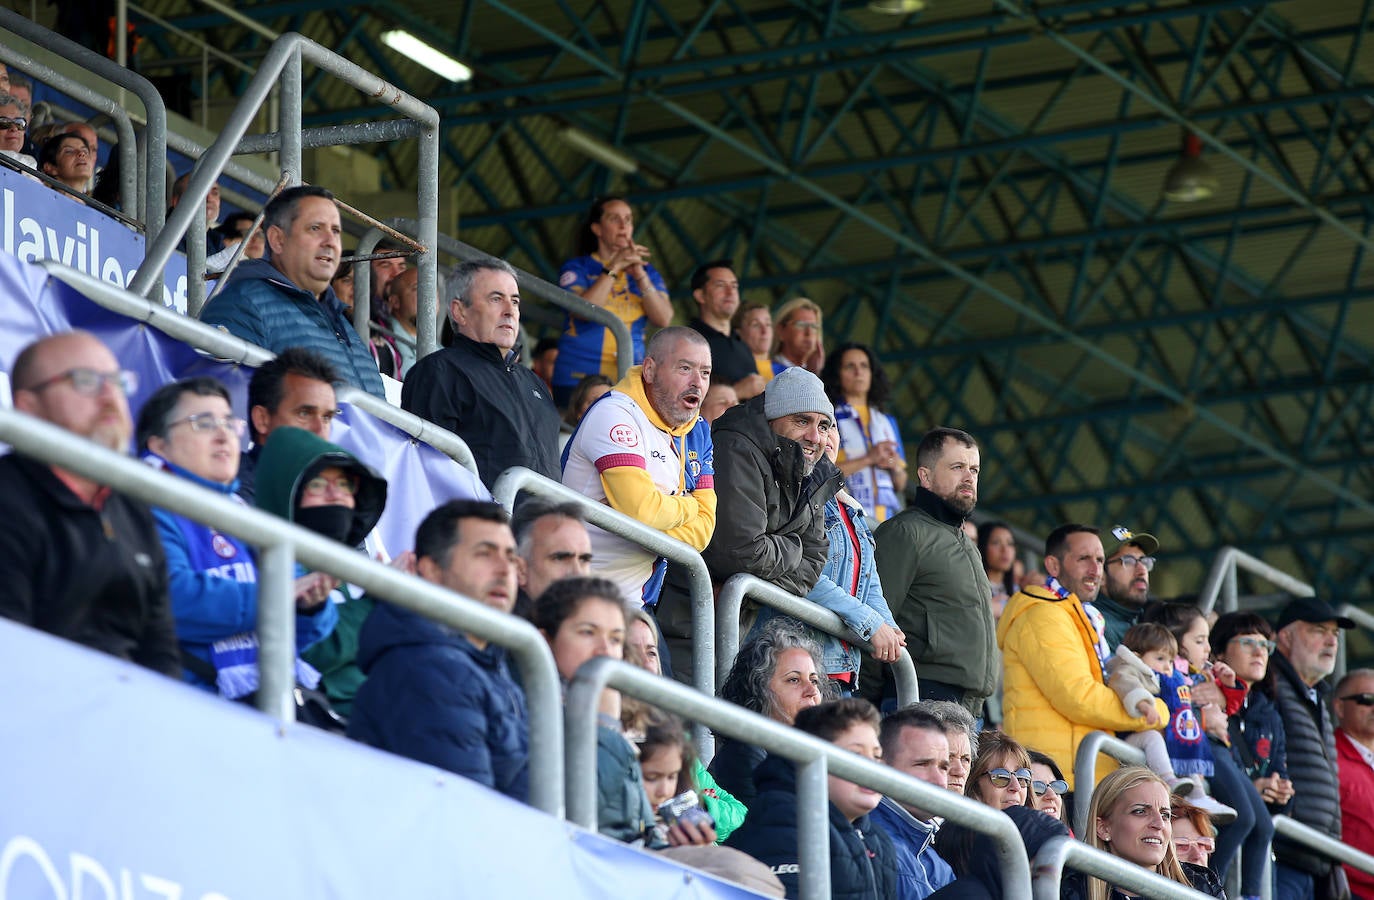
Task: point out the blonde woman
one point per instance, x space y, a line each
799 340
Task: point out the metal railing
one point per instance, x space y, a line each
1085 771
146 201
282 544
283 62
519 478
1311 838
1221 579
1363 620
814 757
731 598
530 286
223 345
1059 852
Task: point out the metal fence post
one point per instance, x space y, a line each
813 829
1085 771
277 631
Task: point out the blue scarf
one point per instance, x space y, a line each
236 666
1185 739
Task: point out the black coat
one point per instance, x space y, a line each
733 768
863 863
500 408
96 577
1312 765
973 855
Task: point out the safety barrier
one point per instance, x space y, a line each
530 286
1309 837
814 757
282 544
1059 852
1363 620
731 598
1221 579
283 63
1085 771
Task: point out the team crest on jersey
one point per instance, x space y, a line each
694 467
567 279
624 435
223 546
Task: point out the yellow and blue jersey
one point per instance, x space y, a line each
588 348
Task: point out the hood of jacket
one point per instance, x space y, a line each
633 385
389 626
292 456
784 454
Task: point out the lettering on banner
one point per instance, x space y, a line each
88 879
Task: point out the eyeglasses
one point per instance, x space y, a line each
1001 777
208 422
1361 699
342 484
18 123
1059 786
1250 643
1206 845
89 382
1130 562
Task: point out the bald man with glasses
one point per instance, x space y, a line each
78 560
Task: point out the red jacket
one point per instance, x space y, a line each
1357 809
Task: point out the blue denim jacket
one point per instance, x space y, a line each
862 614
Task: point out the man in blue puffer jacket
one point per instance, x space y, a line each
433 693
284 299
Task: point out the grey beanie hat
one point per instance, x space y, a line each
796 390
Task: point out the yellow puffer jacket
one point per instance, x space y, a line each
1053 691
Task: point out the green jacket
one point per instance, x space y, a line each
934 582
289 458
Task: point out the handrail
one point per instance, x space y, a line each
732 595
283 543
224 345
127 146
1221 579
282 63
1085 771
1058 852
1311 838
1363 620
518 478
815 757
530 285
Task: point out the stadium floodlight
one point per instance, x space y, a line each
1190 178
411 47
600 151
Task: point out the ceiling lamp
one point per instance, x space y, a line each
896 7
416 50
600 151
1190 179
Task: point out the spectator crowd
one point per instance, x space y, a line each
742 435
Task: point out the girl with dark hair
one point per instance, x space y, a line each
872 457
997 547
611 271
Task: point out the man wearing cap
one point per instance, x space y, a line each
1355 745
1308 634
772 482
1126 587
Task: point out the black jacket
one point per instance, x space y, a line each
500 408
863 863
1075 885
1312 765
973 855
97 577
733 768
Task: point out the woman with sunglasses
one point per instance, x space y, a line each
1194 842
1001 773
1049 787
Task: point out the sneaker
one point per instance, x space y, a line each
1181 787
1221 813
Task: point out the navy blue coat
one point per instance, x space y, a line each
434 697
863 863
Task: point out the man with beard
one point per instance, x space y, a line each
77 559
1052 655
772 483
933 578
285 299
644 450
1127 584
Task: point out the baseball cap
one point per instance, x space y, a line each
1147 543
1311 609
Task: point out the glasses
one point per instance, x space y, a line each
1361 699
1206 845
319 486
1250 643
1130 562
1000 778
8 123
90 383
1059 786
207 423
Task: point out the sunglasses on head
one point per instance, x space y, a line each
1059 786
1361 699
1001 777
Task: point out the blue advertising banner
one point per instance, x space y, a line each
121 784
37 222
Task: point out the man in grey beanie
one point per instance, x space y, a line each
772 483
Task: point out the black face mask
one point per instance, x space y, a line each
330 521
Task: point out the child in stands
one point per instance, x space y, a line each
1145 667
